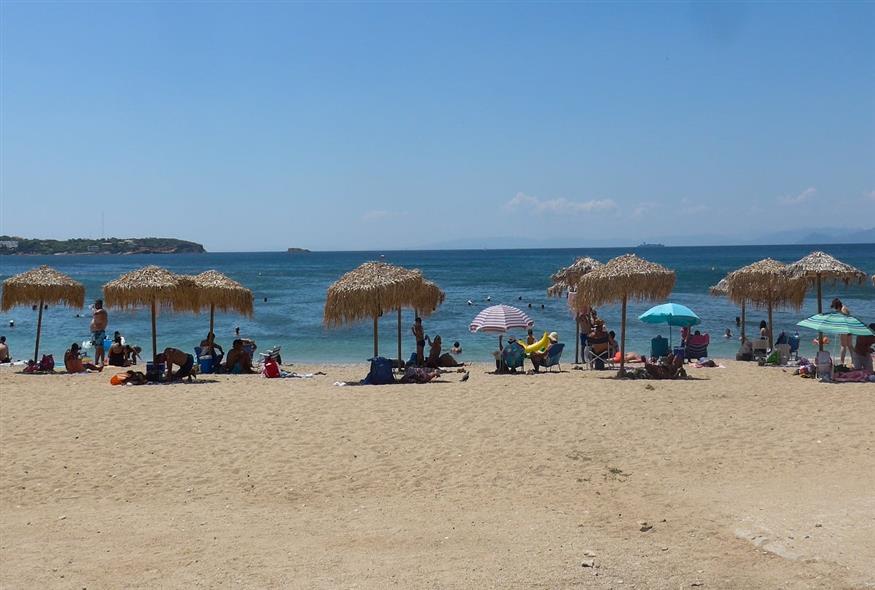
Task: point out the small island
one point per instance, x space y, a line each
12 245
298 251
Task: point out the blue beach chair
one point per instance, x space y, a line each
513 356
659 347
553 356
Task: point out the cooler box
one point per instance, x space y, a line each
205 364
154 371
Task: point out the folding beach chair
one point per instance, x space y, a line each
760 347
793 341
659 347
592 359
513 356
553 356
697 347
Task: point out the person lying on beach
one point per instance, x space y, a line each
174 356
116 355
73 362
238 360
4 351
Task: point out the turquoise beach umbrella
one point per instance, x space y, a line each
836 323
673 314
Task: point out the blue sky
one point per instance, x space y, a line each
376 126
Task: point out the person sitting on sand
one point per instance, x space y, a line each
434 352
210 348
862 352
116 355
672 368
174 356
238 360
132 354
613 347
73 362
457 348
539 358
4 351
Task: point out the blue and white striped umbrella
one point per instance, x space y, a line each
836 323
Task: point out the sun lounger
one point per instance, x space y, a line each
783 353
824 365
760 347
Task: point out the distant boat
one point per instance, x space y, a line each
646 245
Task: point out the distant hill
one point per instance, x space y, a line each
17 245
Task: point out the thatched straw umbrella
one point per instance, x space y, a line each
151 286
820 266
217 291
41 286
565 281
621 279
368 291
766 284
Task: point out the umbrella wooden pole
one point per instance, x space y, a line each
212 317
39 325
819 311
742 321
154 336
577 340
376 337
623 339
771 344
400 364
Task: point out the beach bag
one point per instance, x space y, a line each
380 373
271 369
47 363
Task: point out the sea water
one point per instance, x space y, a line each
290 293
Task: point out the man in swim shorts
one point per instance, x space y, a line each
99 320
419 334
174 356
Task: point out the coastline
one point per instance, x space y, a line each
737 477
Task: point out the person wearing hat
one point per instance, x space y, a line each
73 362
539 358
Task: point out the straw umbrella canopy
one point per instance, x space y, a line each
369 290
217 291
565 281
621 279
41 286
768 284
820 266
151 286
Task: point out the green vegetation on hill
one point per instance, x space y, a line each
16 245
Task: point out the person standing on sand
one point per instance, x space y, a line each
845 339
419 335
99 321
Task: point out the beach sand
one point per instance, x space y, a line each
746 477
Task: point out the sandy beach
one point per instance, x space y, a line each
743 477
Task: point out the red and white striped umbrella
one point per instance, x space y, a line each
498 319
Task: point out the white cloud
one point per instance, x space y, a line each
802 197
380 215
870 195
642 208
560 205
689 207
